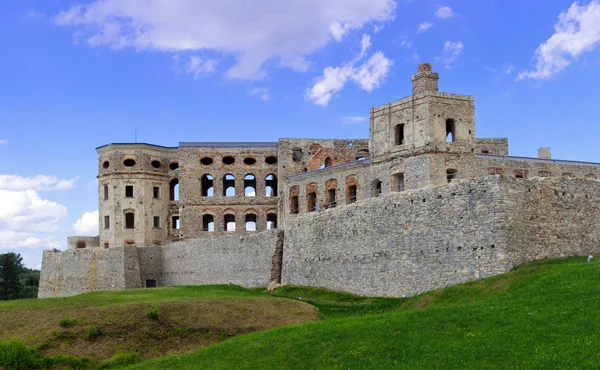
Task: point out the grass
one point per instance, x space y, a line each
540 316
101 325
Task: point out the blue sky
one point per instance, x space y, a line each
77 75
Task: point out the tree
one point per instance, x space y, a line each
11 265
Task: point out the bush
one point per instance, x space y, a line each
121 359
94 332
15 355
152 314
65 322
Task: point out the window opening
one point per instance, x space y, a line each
128 191
228 160
271 160
156 222
294 205
107 222
398 182
331 198
311 202
80 244
129 162
156 192
174 166
451 174
155 164
351 198
129 220
105 192
207 161
399 134
249 161
250 222
208 223
297 154
207 185
175 222
174 190
150 283
271 221
105 164
229 222
229 185
450 131
249 185
271 185
327 163
376 189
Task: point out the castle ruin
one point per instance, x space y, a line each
422 204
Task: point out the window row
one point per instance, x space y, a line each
229 222
130 221
399 138
130 162
228 159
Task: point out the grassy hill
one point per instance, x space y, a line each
539 316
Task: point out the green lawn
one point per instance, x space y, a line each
545 315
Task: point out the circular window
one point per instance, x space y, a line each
155 164
271 160
206 161
129 162
249 161
228 160
174 166
105 164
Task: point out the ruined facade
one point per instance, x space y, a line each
423 203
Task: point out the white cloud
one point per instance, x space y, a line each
39 183
424 27
87 224
353 119
368 76
577 32
444 12
252 34
261 92
452 51
405 43
510 69
365 44
3 141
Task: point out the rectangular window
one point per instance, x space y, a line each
398 182
175 223
351 194
399 134
129 191
156 192
129 221
105 192
106 222
331 198
156 222
312 202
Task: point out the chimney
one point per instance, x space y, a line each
544 153
424 80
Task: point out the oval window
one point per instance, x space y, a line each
174 166
129 162
206 161
228 160
271 160
105 164
249 161
155 164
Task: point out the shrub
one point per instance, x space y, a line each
152 314
94 332
121 359
15 355
65 322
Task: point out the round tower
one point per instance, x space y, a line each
136 187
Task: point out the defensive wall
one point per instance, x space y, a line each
406 243
251 260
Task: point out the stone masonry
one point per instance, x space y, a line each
423 203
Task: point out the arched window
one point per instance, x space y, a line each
351 189
271 221
249 185
271 185
229 222
208 223
294 199
250 222
450 131
229 185
174 189
328 162
331 193
207 185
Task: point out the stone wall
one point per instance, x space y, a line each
76 271
414 241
